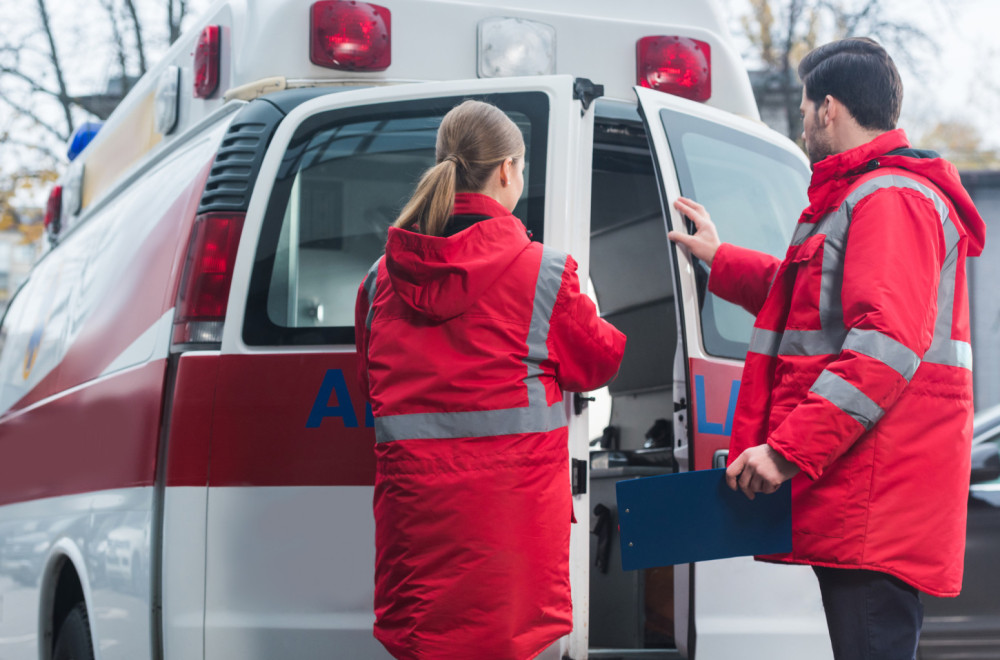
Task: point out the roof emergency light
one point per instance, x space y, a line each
208 273
676 65
166 98
206 62
515 47
350 35
83 135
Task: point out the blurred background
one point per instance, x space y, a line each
65 64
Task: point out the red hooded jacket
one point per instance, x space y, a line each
466 344
860 366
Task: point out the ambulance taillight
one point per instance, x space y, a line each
206 62
208 273
350 36
53 210
676 65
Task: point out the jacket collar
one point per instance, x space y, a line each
835 172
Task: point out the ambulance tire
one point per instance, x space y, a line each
73 641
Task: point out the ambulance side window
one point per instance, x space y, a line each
345 177
754 191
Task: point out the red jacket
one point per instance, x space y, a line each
860 367
466 344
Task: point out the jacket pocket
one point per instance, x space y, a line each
821 506
805 269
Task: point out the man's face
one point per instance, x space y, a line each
813 131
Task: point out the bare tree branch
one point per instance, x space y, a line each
34 86
175 17
116 32
137 28
41 148
54 57
20 109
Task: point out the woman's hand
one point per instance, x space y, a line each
704 242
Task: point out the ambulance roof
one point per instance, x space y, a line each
264 46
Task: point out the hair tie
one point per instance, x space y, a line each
458 160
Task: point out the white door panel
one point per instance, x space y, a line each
755 180
290 567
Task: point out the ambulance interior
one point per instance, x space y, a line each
631 420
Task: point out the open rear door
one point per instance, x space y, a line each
290 534
753 183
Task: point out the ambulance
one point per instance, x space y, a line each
186 464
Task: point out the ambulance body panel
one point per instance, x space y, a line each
201 481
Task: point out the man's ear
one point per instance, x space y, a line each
831 110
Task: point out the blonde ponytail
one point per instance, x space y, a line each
430 207
474 138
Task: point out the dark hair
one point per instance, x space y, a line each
861 75
473 139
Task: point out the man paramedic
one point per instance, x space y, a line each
858 381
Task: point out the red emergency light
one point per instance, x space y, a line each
53 210
350 35
208 273
676 65
206 62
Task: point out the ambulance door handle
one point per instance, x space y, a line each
578 476
603 529
580 402
720 458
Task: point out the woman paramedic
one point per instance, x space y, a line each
468 333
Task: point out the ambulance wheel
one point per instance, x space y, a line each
73 639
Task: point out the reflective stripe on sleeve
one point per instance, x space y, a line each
765 342
847 398
369 285
536 417
812 342
885 349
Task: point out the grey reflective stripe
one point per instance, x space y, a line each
951 353
885 349
848 398
536 417
371 280
898 181
470 424
546 289
765 342
812 342
945 350
834 224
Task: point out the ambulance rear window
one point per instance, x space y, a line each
344 179
754 191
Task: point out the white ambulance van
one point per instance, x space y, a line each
186 461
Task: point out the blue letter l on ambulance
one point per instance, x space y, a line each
714 427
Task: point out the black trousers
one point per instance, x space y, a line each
871 615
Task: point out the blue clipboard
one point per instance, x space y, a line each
694 516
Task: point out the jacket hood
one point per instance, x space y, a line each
442 276
892 149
